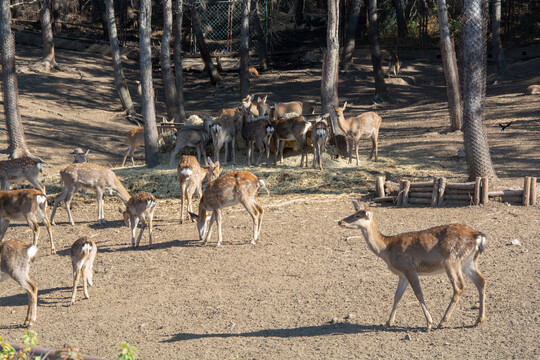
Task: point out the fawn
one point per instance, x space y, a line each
83 252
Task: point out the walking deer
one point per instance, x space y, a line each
89 176
27 204
365 125
295 128
319 137
83 252
223 132
192 136
15 258
141 207
22 168
190 177
228 190
256 133
452 248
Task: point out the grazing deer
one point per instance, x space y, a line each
365 125
319 137
295 128
190 177
192 136
27 204
141 207
22 168
80 156
135 138
89 176
257 133
223 132
532 90
15 258
83 253
452 248
393 65
228 190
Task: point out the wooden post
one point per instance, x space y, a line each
399 199
485 190
442 188
406 188
379 187
526 190
477 190
533 191
435 192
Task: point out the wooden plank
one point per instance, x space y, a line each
385 199
485 190
379 187
435 192
506 193
477 190
406 188
533 191
420 195
526 191
419 201
468 198
422 184
459 186
442 189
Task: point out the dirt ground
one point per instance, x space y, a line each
306 290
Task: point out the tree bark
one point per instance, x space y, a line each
213 74
57 22
121 84
179 76
376 59
17 145
100 7
448 55
148 111
498 52
262 54
299 12
169 86
400 19
350 37
244 49
48 62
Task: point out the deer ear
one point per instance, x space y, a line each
210 161
356 206
344 106
264 100
193 216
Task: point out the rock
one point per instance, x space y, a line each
407 337
516 242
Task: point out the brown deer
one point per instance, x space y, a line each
191 176
80 156
15 258
192 136
365 125
135 139
289 107
22 168
452 248
141 207
27 204
262 106
223 132
532 90
319 138
295 128
83 252
253 71
89 176
256 133
393 65
228 190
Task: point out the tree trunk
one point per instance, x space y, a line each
179 76
121 85
244 49
498 53
48 62
17 145
57 22
215 78
299 12
400 19
148 111
376 59
448 55
100 7
350 38
474 73
262 54
169 86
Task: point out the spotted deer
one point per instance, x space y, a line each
191 176
83 252
192 136
256 133
228 190
141 207
15 258
88 176
319 138
25 204
365 125
295 128
16 170
452 248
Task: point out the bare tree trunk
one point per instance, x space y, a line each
179 76
169 86
148 111
48 62
299 12
17 145
100 7
57 22
376 58
215 78
474 66
498 52
448 55
244 49
262 54
121 84
350 38
400 18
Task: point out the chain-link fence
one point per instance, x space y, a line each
221 22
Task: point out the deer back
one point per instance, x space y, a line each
15 257
82 248
135 135
289 107
229 189
140 203
15 203
21 167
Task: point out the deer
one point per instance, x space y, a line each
223 132
193 136
393 65
21 168
15 258
532 90
83 253
228 190
319 138
141 207
453 248
247 103
262 106
257 133
27 204
89 176
80 156
190 177
135 139
295 128
365 125
253 71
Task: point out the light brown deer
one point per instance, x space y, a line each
452 248
223 132
262 106
289 107
15 258
191 176
141 207
192 136
394 65
365 125
319 138
256 133
25 204
135 139
22 168
83 252
295 128
532 90
89 176
80 156
228 190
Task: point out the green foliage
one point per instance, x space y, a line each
127 351
29 339
7 352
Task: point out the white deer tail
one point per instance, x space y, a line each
263 185
306 127
186 172
32 251
481 242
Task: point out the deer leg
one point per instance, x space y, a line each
133 153
208 232
67 201
76 277
217 149
133 222
5 181
190 191
375 139
42 212
37 184
350 147
249 149
150 219
32 291
143 226
356 144
57 200
175 152
478 280
456 278
402 286
203 150
90 265
31 220
4 224
182 198
233 145
218 218
84 270
127 154
415 284
281 146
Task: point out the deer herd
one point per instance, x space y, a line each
451 248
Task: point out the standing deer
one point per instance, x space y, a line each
190 177
89 176
223 132
452 248
192 136
262 106
257 133
365 125
27 204
393 65
15 258
135 138
141 207
83 253
295 128
319 137
22 168
228 190
80 156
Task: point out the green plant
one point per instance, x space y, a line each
127 351
7 352
29 339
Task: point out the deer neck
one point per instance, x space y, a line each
375 240
343 124
122 192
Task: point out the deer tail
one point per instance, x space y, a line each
263 185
